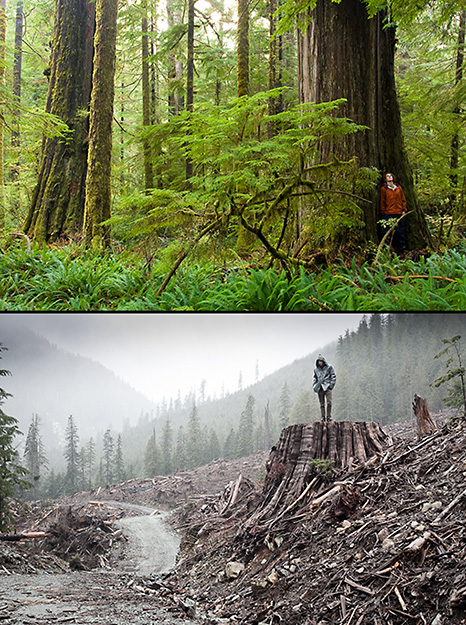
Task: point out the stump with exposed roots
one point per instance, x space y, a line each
305 450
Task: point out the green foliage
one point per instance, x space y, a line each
11 472
63 279
244 177
456 372
322 467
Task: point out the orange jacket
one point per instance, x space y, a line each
392 201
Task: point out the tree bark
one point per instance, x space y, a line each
98 181
456 111
175 69
146 101
243 48
17 68
292 474
57 207
425 423
343 54
190 76
2 113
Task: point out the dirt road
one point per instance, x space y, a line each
102 596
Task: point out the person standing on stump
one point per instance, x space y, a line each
324 381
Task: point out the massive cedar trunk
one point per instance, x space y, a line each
343 54
98 181
57 207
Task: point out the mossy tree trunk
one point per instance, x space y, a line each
57 207
190 76
455 142
243 48
17 70
175 69
98 181
146 99
343 54
2 112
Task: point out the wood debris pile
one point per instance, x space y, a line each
381 543
170 491
77 537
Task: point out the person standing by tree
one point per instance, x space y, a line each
393 206
324 382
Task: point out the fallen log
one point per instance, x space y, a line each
23 536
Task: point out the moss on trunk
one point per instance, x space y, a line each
98 182
343 54
57 206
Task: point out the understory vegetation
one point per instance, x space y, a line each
63 278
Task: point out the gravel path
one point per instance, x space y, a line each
101 596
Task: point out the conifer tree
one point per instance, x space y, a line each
72 456
119 462
166 450
284 406
34 453
11 473
109 456
246 428
230 448
152 458
180 452
194 449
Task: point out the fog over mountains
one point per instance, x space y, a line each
54 384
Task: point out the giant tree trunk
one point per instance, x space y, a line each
57 207
343 54
190 76
291 472
98 181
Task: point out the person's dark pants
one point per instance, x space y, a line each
325 395
399 236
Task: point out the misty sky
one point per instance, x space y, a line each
159 354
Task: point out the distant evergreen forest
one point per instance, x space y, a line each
379 368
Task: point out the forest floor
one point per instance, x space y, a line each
395 554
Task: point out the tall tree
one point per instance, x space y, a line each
72 456
246 428
2 110
34 452
152 457
57 206
455 143
11 473
344 54
243 48
194 439
146 97
285 406
98 181
166 448
17 70
119 461
190 77
109 456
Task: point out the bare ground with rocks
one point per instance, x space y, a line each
382 543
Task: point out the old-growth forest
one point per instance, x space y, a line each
75 437
217 155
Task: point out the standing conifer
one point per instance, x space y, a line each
11 473
246 428
71 456
194 440
34 453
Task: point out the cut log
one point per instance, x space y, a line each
25 536
425 423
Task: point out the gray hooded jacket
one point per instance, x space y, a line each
324 377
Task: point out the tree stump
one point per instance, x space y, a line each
290 470
425 423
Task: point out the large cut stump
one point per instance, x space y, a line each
290 470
